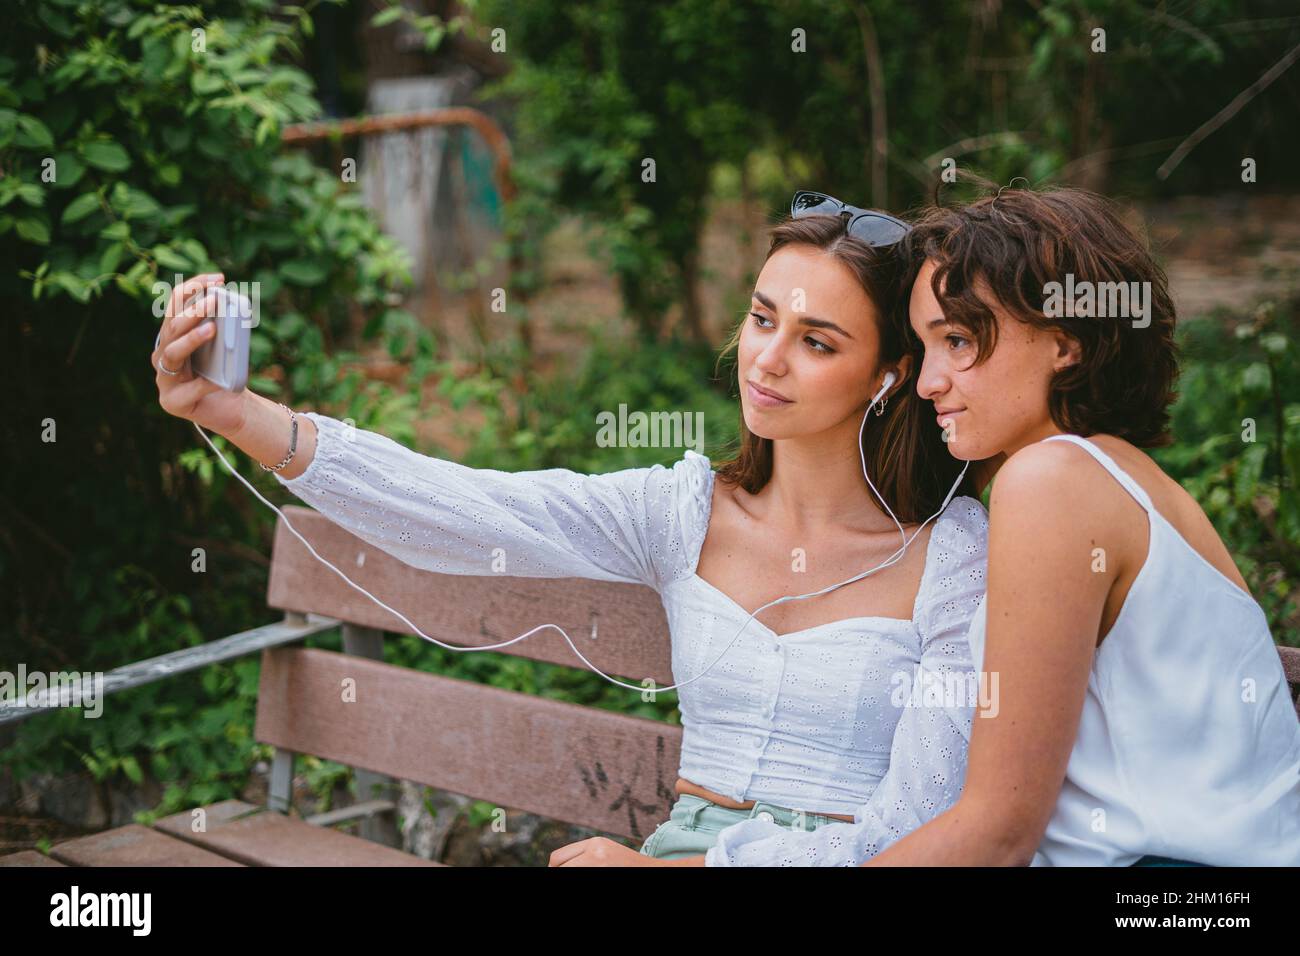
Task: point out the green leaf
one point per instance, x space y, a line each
111 258
433 37
34 230
80 208
74 285
169 174
198 255
106 155
384 17
33 133
131 768
31 194
68 170
133 203
168 258
206 83
304 271
265 130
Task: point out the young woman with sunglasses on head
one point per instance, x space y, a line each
796 747
1143 715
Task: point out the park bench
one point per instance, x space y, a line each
594 768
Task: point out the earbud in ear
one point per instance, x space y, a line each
890 379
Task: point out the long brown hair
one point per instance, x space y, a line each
906 456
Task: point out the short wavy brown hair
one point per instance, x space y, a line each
1016 242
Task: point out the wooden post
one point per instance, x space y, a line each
380 828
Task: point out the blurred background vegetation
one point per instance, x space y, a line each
170 160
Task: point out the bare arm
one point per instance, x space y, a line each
1044 607
264 435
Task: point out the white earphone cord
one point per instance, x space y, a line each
891 560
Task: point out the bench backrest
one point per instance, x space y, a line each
583 765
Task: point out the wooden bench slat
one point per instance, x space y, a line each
256 836
467 610
590 767
28 858
134 845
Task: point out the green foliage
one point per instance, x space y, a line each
605 87
165 152
1010 89
138 140
1237 425
434 28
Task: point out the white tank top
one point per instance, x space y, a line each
1189 744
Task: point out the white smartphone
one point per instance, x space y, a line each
223 359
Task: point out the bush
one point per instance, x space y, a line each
1237 450
139 140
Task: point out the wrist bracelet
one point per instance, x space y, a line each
293 440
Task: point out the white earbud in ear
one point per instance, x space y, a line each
890 379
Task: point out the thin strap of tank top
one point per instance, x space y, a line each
1119 474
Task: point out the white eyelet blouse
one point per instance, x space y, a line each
837 718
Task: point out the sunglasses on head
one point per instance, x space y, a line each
873 228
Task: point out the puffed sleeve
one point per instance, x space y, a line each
927 757
637 525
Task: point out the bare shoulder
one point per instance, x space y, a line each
724 502
1046 475
727 515
1052 489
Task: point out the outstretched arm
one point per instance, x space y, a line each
631 525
